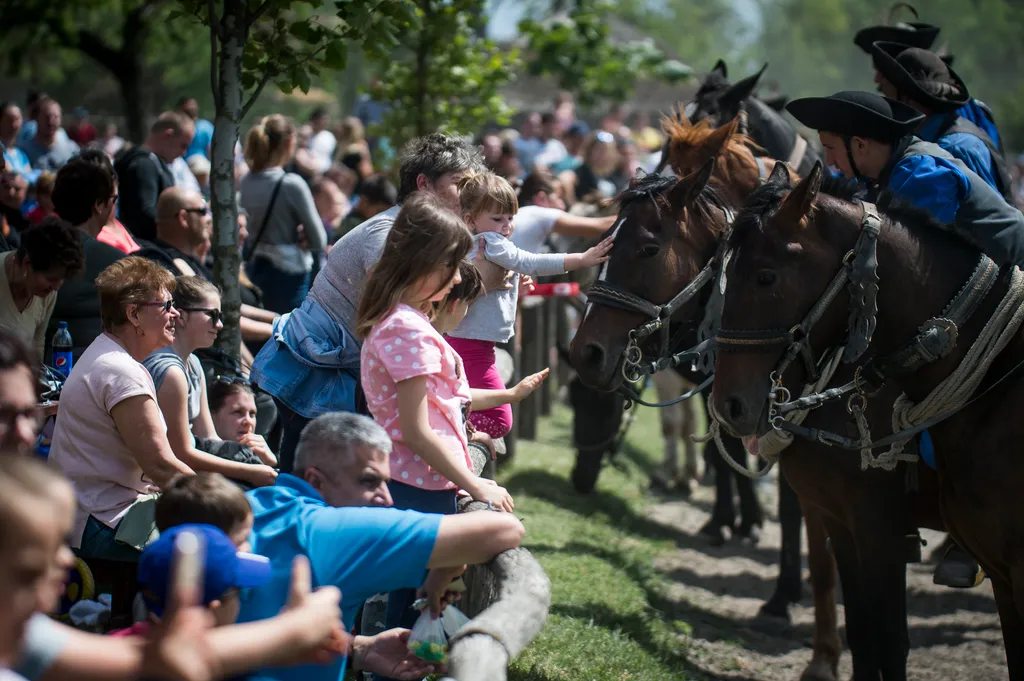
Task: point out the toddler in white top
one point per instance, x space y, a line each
489 205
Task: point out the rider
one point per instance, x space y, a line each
922 80
869 137
923 36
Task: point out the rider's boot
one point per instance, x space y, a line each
958 569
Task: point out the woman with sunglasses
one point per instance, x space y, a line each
181 389
110 440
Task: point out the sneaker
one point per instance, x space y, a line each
959 570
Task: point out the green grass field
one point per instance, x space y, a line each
608 619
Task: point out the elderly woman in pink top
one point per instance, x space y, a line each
111 439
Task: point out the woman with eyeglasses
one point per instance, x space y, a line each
182 396
110 439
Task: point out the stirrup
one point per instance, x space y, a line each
959 570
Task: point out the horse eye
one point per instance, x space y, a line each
649 250
765 278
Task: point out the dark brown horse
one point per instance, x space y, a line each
667 232
789 245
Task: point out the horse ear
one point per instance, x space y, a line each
721 69
732 97
799 201
716 142
690 187
779 174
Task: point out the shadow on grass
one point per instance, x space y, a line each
559 491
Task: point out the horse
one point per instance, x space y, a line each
790 244
654 237
719 101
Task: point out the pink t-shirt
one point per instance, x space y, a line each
401 346
87 447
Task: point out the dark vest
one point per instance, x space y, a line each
959 124
984 218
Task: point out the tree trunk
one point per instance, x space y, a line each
131 96
227 99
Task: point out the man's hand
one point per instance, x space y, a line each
318 614
494 277
437 588
387 654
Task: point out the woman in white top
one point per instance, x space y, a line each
110 439
31 276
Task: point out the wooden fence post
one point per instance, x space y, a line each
530 358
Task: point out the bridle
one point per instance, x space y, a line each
858 273
659 321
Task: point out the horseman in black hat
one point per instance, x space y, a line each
923 36
922 80
870 138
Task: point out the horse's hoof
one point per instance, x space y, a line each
775 608
820 670
715 534
749 535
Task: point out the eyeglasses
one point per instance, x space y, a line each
202 210
213 313
166 304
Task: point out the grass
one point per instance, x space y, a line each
605 623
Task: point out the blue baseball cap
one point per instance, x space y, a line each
224 567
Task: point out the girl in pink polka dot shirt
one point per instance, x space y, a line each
414 382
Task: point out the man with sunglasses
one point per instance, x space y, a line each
183 225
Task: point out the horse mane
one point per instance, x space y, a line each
738 155
763 203
654 187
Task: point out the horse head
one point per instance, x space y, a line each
717 99
667 230
787 244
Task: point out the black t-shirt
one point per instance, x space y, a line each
163 253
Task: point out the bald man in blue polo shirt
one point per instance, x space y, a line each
333 510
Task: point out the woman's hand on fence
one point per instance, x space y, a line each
492 494
526 386
387 654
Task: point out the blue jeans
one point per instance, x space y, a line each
282 291
400 612
98 542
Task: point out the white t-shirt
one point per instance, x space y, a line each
323 144
87 447
31 322
534 225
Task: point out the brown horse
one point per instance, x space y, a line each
788 244
667 232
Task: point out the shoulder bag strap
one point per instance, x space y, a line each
266 219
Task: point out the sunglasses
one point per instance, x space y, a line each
605 136
232 380
202 210
214 314
166 305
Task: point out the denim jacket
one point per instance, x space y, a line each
310 363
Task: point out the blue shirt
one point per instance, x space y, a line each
202 139
973 112
932 183
967 147
17 162
362 551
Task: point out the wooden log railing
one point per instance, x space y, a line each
507 599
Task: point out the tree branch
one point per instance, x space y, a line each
255 95
215 26
260 11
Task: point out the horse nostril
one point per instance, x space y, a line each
734 409
593 354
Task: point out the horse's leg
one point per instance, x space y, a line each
724 512
667 385
788 585
1010 604
688 411
884 579
859 637
827 645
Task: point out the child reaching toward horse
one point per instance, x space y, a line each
489 205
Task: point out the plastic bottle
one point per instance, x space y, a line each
62 360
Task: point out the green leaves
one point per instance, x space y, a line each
444 77
578 52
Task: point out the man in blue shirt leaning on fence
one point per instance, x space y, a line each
330 511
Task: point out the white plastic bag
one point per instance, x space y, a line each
452 619
427 640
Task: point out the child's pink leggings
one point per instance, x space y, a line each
482 372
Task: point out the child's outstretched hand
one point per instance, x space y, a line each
599 253
528 385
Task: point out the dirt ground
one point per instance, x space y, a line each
954 633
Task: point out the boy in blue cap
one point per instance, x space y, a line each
225 571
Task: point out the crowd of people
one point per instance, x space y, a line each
333 454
